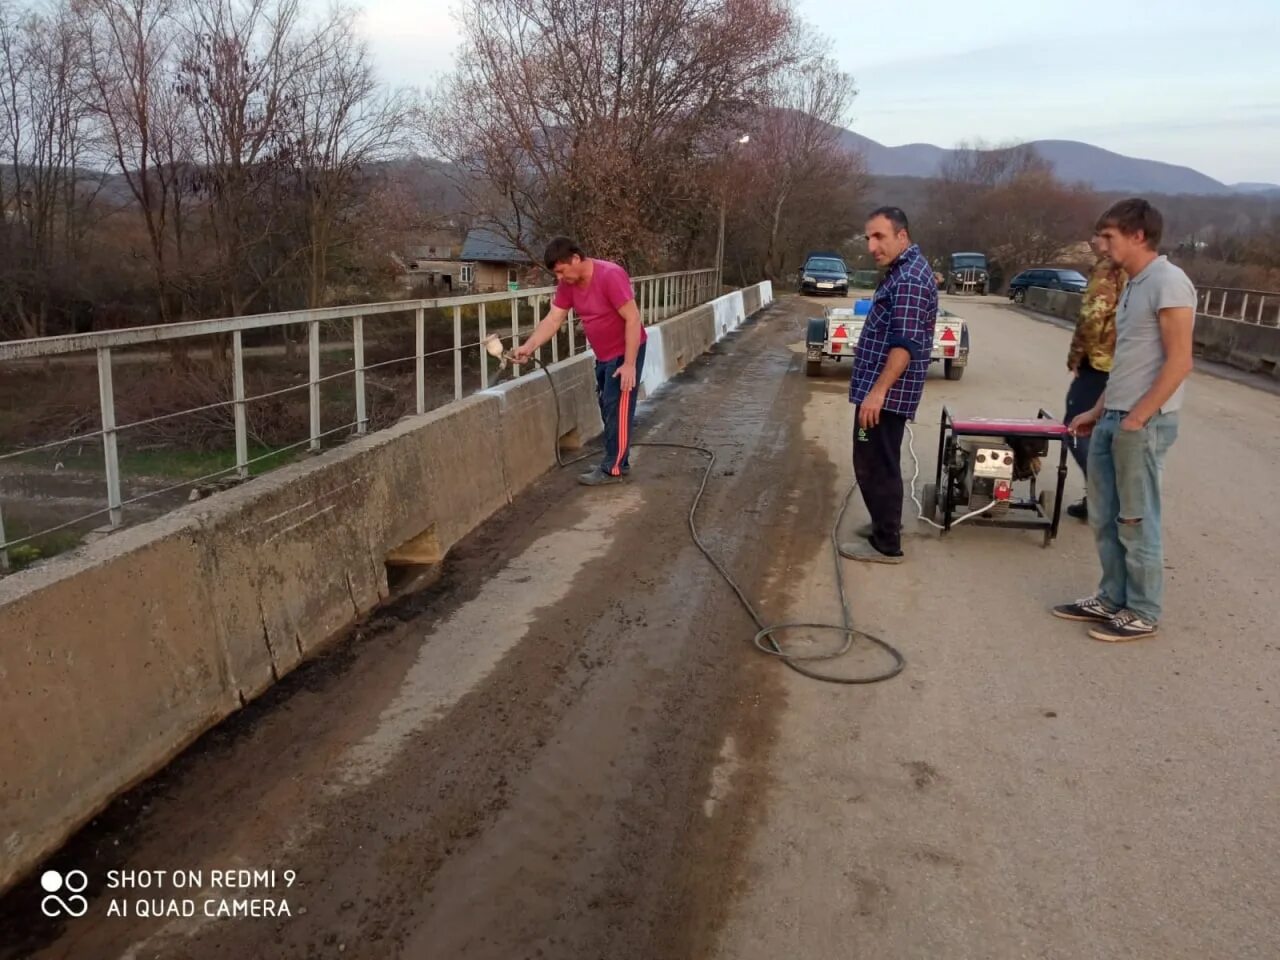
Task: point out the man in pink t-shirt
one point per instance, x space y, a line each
599 292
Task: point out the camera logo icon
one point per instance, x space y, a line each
73 884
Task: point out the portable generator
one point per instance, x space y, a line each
983 465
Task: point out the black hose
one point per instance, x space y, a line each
764 640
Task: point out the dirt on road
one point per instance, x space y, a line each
556 751
1022 790
568 747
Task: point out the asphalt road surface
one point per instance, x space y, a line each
567 747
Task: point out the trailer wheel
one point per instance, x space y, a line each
813 368
952 370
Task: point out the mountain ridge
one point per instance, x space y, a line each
1073 161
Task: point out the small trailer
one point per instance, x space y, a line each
835 335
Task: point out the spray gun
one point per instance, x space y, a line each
493 346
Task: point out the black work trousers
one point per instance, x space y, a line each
877 465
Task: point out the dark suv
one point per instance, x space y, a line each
824 274
1051 278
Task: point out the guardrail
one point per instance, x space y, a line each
358 327
1249 306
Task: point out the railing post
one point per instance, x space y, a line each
1222 307
357 332
420 358
107 403
313 337
484 354
555 340
1244 305
573 334
515 329
242 430
1262 302
457 353
4 550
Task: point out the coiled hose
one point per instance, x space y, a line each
765 640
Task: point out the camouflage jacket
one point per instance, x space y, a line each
1095 335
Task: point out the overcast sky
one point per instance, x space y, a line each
1193 82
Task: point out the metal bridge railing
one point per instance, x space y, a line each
1260 307
463 322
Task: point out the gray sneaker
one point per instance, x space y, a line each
597 478
1125 625
1088 610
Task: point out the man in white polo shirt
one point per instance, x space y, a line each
1133 425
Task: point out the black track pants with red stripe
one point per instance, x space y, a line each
618 413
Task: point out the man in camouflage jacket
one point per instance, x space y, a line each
1092 349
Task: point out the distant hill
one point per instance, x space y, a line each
1270 189
1073 162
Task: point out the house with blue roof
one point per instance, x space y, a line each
486 262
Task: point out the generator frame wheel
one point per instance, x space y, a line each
1047 507
929 501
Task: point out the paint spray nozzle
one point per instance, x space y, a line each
493 346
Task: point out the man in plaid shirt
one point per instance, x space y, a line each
889 368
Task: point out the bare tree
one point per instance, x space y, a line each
43 141
237 67
128 46
805 178
588 117
1006 202
342 122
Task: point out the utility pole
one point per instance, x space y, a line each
720 250
745 138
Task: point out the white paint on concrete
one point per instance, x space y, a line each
464 649
730 312
722 775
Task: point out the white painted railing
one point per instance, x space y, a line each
658 296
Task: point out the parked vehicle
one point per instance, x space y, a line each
967 271
824 274
1051 278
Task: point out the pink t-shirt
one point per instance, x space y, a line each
597 305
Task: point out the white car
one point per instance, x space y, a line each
835 334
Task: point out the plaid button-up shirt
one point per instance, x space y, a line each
903 312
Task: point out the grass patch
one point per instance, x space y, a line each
47 545
163 462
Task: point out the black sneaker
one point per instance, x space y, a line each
1079 509
1125 625
1090 609
597 478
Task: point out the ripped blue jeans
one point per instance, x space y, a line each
1124 510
